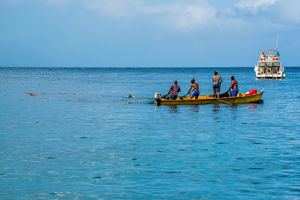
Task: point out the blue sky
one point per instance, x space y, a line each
143 33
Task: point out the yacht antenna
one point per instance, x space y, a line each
277 42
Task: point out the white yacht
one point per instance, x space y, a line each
269 66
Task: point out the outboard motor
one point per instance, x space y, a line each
157 97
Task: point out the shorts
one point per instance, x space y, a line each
195 93
234 92
217 86
173 96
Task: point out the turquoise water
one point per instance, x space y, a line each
76 141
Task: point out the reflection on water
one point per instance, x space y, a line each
216 108
234 112
173 109
192 108
252 106
195 108
234 107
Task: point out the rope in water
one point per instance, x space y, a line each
140 101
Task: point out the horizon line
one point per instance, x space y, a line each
294 66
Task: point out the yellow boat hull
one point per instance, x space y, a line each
209 99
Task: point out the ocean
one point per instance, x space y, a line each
73 139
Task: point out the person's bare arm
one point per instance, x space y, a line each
231 86
170 90
189 90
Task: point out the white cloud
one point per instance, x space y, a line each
275 11
192 15
255 5
185 15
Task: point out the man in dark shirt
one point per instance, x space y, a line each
174 90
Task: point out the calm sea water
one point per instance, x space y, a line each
74 140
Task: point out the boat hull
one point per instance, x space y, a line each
269 66
209 99
269 77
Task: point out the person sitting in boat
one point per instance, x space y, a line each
233 87
194 89
174 90
217 80
262 55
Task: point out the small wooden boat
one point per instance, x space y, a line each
243 98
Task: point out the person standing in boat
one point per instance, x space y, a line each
194 89
217 80
174 90
234 87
